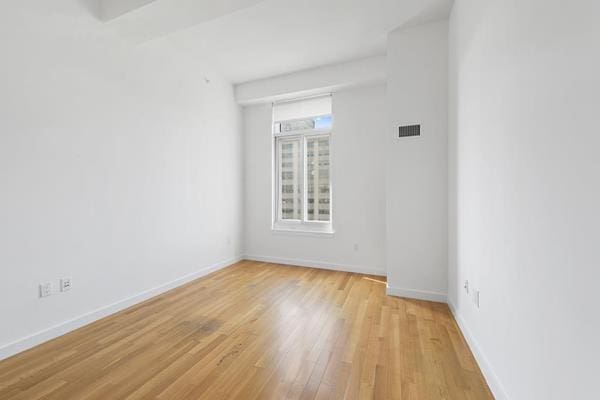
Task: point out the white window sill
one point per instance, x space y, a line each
302 231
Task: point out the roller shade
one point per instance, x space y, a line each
297 109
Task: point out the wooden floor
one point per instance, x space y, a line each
258 331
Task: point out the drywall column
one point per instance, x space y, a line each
416 170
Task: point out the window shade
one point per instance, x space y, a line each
298 109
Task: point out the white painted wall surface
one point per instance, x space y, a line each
357 181
416 168
119 166
525 191
330 78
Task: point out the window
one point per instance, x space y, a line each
302 179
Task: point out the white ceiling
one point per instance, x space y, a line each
253 39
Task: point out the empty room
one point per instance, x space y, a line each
299 199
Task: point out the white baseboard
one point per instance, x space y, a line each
35 339
75 323
417 294
485 366
318 264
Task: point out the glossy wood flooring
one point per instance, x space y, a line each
258 331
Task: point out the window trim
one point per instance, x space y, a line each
303 225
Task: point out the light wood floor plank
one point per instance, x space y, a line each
258 331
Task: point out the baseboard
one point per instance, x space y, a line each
485 366
416 294
317 264
85 319
488 373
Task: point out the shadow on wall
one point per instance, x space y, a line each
452 181
435 11
91 6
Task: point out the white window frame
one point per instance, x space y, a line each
302 225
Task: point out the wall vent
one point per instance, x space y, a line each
410 130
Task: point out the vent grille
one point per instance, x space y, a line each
410 130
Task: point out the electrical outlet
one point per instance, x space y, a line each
65 284
466 286
355 246
45 289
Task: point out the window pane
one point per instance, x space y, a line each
317 168
297 125
291 179
324 122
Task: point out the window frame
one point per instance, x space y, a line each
302 225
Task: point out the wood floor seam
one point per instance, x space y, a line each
257 330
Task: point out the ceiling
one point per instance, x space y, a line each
253 39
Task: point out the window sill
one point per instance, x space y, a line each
302 232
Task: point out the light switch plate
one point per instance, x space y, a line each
45 289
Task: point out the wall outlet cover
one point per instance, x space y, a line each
65 284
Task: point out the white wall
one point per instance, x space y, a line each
525 190
330 78
416 168
119 166
357 181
